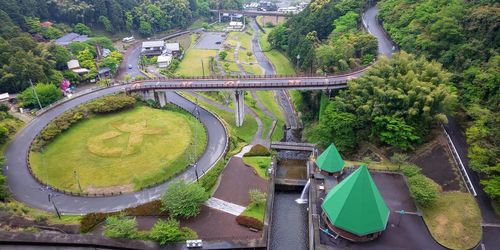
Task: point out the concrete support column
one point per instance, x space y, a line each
147 95
161 98
239 104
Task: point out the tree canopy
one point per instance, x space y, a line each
396 102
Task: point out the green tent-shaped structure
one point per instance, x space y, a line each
330 160
356 206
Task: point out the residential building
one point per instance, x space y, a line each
172 48
153 48
164 60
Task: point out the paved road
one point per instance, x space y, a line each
291 119
25 188
371 23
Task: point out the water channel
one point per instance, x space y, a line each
289 228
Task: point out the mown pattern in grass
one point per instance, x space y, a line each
120 152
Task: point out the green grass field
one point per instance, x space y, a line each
244 133
454 220
255 211
120 152
191 63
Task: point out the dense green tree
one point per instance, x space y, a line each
336 127
60 55
108 26
183 199
47 94
81 29
394 131
170 231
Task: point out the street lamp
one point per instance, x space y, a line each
298 60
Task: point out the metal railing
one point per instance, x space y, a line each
463 171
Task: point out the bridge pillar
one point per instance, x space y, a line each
161 98
147 95
239 104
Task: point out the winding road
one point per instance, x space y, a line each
27 190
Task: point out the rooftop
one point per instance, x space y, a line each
172 46
330 160
356 205
151 44
69 38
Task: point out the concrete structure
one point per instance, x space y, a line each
153 48
239 105
70 38
164 60
355 209
330 162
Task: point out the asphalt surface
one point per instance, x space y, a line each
291 119
27 190
371 23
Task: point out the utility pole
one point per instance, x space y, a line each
36 95
298 60
202 67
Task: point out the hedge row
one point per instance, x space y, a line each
249 222
108 104
423 189
91 220
258 150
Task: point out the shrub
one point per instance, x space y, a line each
258 150
170 231
257 197
208 180
183 199
111 103
410 170
41 218
250 222
423 190
121 227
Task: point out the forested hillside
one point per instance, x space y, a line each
145 16
465 37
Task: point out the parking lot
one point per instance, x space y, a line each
211 40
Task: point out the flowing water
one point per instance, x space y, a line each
289 229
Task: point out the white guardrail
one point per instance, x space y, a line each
461 166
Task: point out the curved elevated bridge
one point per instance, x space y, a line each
156 88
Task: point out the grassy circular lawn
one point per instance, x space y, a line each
124 151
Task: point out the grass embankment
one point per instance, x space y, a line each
269 101
244 133
454 220
255 211
260 164
282 65
123 151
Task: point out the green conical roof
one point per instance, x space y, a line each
355 205
330 160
